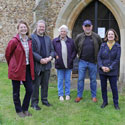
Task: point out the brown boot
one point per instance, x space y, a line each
78 99
94 99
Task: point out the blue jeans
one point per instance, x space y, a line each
92 68
64 74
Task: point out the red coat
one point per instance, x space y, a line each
16 59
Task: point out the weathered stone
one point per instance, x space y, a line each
11 11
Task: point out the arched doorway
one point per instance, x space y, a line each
101 17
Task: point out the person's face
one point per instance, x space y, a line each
40 28
111 35
87 29
63 33
22 29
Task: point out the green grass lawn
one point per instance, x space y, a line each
61 113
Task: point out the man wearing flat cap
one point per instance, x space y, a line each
87 46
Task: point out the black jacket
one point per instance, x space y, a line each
109 58
79 43
37 53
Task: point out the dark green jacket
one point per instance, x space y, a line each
81 38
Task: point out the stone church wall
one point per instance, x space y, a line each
11 11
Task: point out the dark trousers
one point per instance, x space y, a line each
43 81
113 84
16 92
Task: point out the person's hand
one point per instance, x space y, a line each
107 69
57 57
48 59
104 68
43 61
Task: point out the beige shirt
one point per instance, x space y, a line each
64 52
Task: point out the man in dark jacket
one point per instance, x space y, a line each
43 53
87 46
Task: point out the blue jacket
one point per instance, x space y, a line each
37 53
109 58
71 52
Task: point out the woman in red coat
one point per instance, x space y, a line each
21 67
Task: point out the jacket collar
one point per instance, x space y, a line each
38 41
66 40
17 37
20 37
105 44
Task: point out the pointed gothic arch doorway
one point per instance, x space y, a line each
100 16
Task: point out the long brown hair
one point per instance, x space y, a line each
23 22
115 33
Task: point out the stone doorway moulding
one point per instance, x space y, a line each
69 13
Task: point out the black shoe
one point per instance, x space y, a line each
104 105
27 113
117 107
21 114
36 107
47 104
